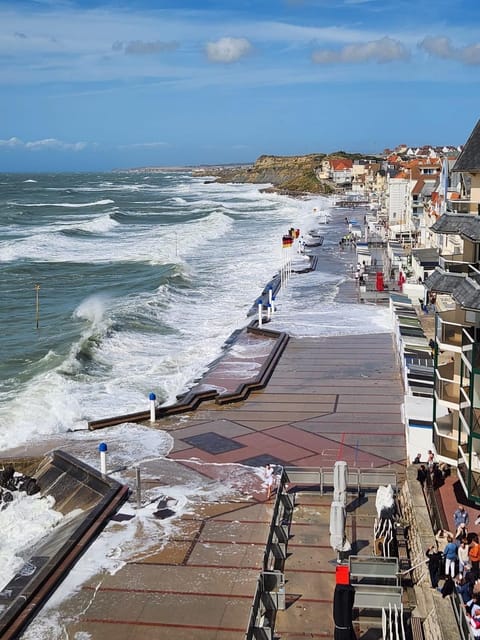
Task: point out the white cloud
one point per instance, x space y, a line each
228 49
384 50
441 47
11 142
39 145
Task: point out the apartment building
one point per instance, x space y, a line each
456 283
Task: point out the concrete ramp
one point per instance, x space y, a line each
75 486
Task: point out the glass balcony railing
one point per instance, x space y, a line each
446 371
475 420
476 357
474 493
471 480
464 394
450 334
446 447
464 472
467 356
447 391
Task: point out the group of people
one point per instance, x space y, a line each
361 275
437 472
349 240
456 558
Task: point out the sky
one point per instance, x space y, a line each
91 85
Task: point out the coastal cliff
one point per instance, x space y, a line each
288 174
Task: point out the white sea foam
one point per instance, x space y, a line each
157 245
37 516
69 205
93 308
102 224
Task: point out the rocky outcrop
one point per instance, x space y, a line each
295 175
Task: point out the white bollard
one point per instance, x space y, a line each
260 307
102 447
152 397
273 305
270 294
269 311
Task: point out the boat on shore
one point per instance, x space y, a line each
316 241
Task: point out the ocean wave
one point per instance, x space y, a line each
102 224
70 205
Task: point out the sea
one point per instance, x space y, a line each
117 285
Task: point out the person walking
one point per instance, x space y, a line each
463 559
450 554
435 558
268 475
460 516
422 474
430 459
474 557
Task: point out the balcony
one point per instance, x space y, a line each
449 330
446 371
468 468
453 263
448 393
470 481
445 445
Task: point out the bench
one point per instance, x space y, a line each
369 596
372 568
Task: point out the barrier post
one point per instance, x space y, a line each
102 447
152 397
260 307
138 484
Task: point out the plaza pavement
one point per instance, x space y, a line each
328 399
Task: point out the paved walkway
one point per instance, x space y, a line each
328 399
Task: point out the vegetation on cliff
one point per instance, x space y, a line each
287 174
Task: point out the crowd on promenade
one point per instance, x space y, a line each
454 560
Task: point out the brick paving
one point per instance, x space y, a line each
327 399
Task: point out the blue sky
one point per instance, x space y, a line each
88 85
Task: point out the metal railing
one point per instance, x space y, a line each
464 628
358 480
269 594
270 590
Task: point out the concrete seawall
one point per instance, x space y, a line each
74 487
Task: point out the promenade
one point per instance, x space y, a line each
328 399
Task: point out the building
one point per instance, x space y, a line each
456 283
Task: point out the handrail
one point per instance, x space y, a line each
270 590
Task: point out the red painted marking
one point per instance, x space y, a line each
139 623
168 592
